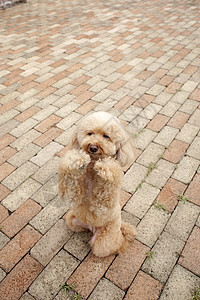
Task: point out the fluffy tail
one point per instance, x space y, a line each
128 231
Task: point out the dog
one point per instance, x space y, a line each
90 177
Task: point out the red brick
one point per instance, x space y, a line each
144 287
48 136
124 103
20 278
144 100
144 74
47 123
127 264
75 67
193 190
88 274
190 257
117 57
175 151
26 87
3 213
6 153
158 122
17 220
190 70
86 107
124 197
125 69
78 81
173 88
6 140
3 191
46 92
80 89
18 247
28 79
10 104
116 85
160 73
195 95
5 170
179 119
84 97
169 194
27 113
166 80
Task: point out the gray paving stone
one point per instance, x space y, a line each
180 97
151 226
65 137
150 111
3 240
183 220
24 127
49 282
187 133
24 155
10 114
68 121
170 108
67 109
186 169
106 290
165 254
162 98
49 215
143 139
151 154
198 221
189 106
159 176
101 96
182 284
195 118
133 177
26 296
8 126
166 136
21 194
47 171
156 89
194 149
25 139
130 113
52 242
78 244
20 175
2 274
46 153
141 201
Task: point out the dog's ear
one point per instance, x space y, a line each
61 182
74 144
126 151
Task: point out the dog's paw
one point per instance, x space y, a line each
104 170
76 160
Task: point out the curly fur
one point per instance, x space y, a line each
90 177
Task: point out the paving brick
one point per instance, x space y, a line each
186 169
141 201
46 153
6 153
48 123
195 118
181 285
160 174
170 109
78 244
68 121
17 220
24 127
88 274
166 135
20 278
175 151
144 138
151 154
3 240
5 170
26 296
31 111
190 257
165 253
194 148
158 122
21 193
151 226
144 287
25 139
2 275
187 133
183 220
126 265
47 137
19 175
47 171
193 190
106 290
168 197
133 177
6 140
3 213
49 215
49 282
52 242
18 247
178 120
3 191
24 155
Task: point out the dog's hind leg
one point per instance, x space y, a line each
74 224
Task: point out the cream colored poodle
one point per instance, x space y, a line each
90 177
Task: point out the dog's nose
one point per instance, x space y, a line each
93 148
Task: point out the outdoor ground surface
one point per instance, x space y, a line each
139 60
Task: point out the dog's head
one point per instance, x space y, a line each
101 134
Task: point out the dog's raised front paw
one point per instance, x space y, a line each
76 160
104 169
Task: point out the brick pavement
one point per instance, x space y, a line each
139 60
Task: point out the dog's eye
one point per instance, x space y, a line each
106 136
90 133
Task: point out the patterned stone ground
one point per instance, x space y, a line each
139 60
